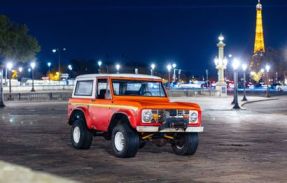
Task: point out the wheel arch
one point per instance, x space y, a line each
118 118
76 114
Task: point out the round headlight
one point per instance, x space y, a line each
193 115
146 116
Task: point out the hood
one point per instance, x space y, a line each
155 103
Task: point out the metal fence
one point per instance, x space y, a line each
43 96
191 92
65 95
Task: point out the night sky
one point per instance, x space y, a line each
149 31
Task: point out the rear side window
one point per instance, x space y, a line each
84 88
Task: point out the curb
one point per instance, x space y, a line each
262 100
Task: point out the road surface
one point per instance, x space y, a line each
237 146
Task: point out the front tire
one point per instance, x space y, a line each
81 137
185 144
125 141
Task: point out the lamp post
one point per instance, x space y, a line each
174 74
32 65
179 73
49 66
244 67
49 71
20 69
152 67
58 50
99 64
9 66
118 66
1 88
169 67
267 68
235 65
221 62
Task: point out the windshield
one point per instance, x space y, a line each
138 88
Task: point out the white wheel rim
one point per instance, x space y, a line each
179 147
76 134
119 141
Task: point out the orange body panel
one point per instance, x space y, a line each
98 112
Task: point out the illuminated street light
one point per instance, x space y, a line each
221 38
99 64
20 69
9 66
262 70
70 67
152 67
267 68
244 67
235 65
118 66
33 65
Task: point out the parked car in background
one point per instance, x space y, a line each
193 84
281 87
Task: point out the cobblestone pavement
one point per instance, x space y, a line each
237 146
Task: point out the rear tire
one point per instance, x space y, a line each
185 144
125 141
81 137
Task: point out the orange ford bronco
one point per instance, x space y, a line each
130 110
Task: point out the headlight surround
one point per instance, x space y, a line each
147 116
193 116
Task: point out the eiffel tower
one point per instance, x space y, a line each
259 45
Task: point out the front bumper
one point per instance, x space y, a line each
156 129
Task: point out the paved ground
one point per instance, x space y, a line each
237 146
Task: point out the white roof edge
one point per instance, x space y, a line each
92 76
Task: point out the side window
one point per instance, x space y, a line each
103 89
84 88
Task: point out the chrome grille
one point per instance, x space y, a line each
159 116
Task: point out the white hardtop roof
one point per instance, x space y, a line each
92 76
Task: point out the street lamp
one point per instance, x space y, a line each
267 68
9 66
152 67
99 64
55 50
118 66
70 67
220 62
169 67
1 89
244 67
49 66
20 69
174 75
33 65
235 65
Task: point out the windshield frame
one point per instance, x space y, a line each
137 80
